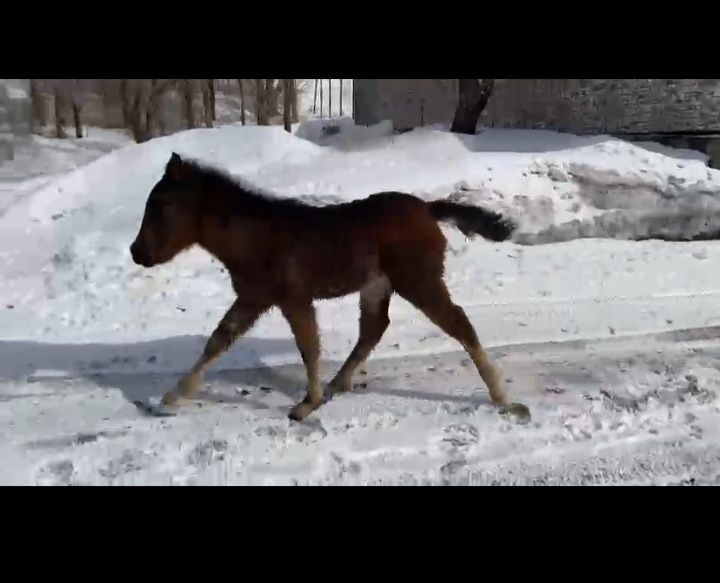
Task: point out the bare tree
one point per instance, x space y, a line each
293 101
37 101
76 118
153 118
188 99
211 93
287 104
207 104
125 101
261 114
474 95
107 95
59 118
272 95
242 101
142 109
76 105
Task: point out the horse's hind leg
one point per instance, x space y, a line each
427 292
374 320
301 317
238 320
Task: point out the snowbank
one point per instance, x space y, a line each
67 273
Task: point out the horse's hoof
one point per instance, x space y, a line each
170 399
302 410
519 411
338 388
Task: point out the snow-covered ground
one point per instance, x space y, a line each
611 342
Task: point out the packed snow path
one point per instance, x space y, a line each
624 411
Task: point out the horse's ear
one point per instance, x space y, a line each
175 168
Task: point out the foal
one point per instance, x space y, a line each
284 253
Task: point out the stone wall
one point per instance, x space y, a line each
582 106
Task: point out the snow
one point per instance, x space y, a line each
609 340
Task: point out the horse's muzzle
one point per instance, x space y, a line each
139 256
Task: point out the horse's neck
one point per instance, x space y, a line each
229 239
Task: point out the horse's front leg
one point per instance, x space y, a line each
238 320
301 317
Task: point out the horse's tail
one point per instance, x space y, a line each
473 219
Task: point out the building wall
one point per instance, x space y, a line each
408 103
14 115
575 105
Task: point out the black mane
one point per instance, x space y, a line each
241 197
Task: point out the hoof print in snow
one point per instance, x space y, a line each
461 435
520 412
206 453
128 462
155 410
452 471
59 473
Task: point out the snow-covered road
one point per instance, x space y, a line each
619 411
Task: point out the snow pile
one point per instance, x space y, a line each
67 273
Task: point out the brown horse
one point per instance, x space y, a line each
284 253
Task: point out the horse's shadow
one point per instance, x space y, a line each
145 370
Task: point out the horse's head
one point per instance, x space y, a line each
170 223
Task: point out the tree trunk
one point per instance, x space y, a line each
287 104
341 97
271 98
107 103
293 101
37 102
330 98
125 101
207 106
242 101
473 98
260 103
59 119
211 92
315 96
188 98
151 110
154 116
135 116
76 118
